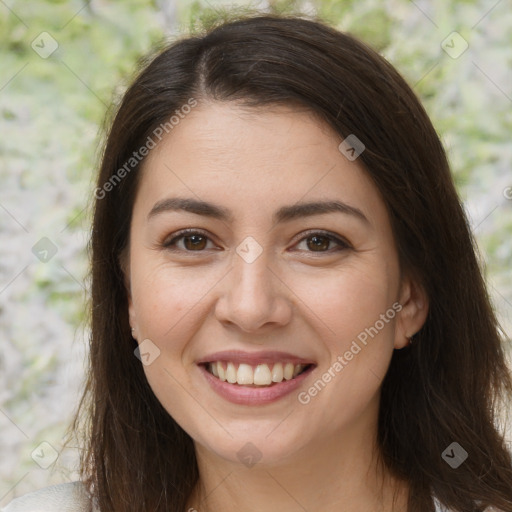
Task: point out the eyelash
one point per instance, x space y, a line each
168 244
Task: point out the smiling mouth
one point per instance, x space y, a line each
260 375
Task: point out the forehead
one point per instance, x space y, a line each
247 158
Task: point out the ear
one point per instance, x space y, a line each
412 316
124 263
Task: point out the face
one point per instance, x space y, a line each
269 321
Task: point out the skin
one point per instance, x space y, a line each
293 297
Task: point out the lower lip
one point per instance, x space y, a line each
244 395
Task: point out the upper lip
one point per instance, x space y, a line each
267 356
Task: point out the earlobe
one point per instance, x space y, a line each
131 312
125 269
412 316
131 317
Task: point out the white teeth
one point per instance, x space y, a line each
277 373
288 371
261 375
221 371
244 375
231 373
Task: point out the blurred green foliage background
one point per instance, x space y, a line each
52 109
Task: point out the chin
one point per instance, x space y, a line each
266 443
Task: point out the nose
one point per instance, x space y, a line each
253 296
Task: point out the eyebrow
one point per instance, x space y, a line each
284 214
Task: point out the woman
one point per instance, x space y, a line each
287 309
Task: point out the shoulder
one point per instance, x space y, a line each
439 507
69 497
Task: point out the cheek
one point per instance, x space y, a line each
359 344
166 299
355 320
348 300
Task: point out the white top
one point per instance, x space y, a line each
71 497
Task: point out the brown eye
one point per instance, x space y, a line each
193 241
320 242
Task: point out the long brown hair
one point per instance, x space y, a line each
447 387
